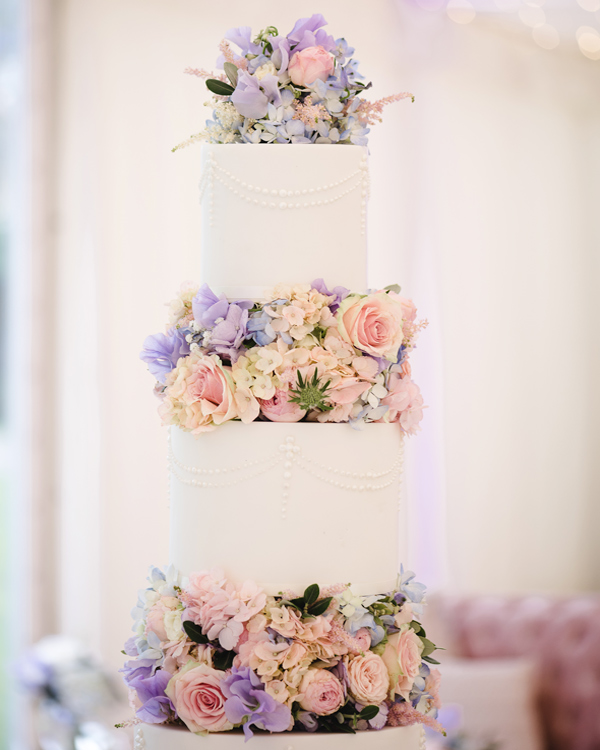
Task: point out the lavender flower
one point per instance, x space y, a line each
308 32
340 293
161 352
247 703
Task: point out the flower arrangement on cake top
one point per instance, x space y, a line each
305 353
300 88
215 656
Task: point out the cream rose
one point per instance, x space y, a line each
321 692
369 680
402 657
373 324
196 694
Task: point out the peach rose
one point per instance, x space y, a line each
196 694
309 65
199 394
373 324
321 692
368 678
402 657
279 409
409 311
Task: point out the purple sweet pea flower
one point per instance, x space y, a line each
248 98
156 706
246 701
138 669
130 647
161 352
242 36
340 293
307 32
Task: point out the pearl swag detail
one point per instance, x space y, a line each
268 196
291 455
139 743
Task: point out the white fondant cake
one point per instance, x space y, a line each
311 200
156 737
278 487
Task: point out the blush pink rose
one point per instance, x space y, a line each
279 409
196 694
405 403
402 657
321 692
363 639
309 65
409 311
200 394
373 324
368 678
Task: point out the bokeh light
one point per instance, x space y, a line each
460 11
591 5
546 36
532 16
588 39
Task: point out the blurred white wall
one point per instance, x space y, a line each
483 193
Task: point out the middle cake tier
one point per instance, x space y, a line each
287 505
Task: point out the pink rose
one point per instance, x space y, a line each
409 311
309 65
196 694
279 409
368 678
363 639
199 394
372 324
405 403
402 657
321 692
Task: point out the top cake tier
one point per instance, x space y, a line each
273 215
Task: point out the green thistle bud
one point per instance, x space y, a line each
310 394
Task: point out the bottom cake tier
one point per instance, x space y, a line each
155 737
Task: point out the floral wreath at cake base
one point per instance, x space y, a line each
214 656
304 353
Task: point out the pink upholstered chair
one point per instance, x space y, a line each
563 637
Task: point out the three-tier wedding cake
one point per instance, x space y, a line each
285 616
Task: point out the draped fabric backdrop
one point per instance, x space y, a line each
482 208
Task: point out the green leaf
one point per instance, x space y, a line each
418 628
231 71
219 87
345 729
311 594
299 603
319 607
428 647
223 660
368 713
430 659
194 632
288 603
392 288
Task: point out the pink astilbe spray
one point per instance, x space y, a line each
411 330
343 637
309 113
404 715
371 112
227 53
203 73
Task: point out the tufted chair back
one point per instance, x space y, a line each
562 635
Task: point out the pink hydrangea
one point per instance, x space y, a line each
405 403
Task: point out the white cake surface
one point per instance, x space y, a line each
283 215
156 737
288 505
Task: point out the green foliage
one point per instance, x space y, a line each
231 71
223 660
309 603
194 632
219 87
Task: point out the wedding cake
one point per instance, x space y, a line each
284 616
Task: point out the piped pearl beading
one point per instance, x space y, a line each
422 739
139 743
271 197
291 456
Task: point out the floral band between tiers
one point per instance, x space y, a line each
304 353
212 656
